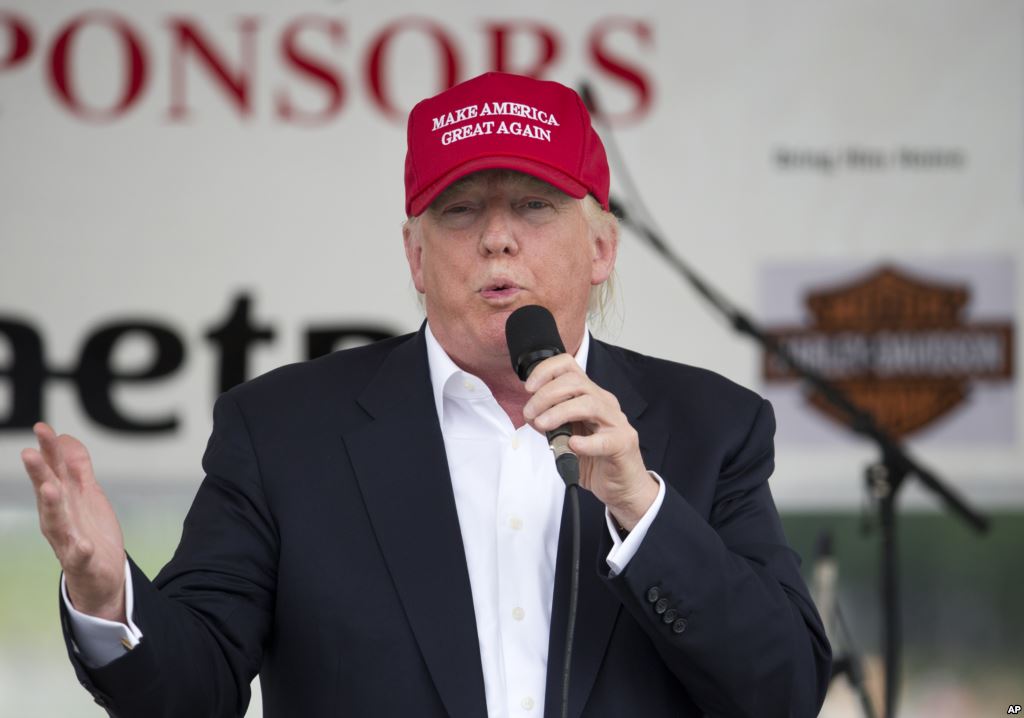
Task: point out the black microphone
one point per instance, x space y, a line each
532 337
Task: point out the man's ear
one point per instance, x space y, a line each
606 249
411 236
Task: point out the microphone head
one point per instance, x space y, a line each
532 336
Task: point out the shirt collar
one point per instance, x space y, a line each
447 378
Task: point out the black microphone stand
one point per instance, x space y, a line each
884 478
846 657
850 664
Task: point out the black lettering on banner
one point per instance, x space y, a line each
234 337
25 374
324 340
95 376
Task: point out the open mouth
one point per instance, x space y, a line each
499 289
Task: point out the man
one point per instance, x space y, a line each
378 533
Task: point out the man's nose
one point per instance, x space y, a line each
498 235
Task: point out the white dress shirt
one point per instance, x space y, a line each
509 501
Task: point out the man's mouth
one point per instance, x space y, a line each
500 289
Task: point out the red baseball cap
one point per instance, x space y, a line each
502 121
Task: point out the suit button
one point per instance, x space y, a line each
670 615
661 606
679 626
653 594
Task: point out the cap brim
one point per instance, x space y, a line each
541 171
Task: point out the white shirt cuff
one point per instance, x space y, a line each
624 549
98 641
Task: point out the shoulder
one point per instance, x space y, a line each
679 382
705 419
336 378
686 396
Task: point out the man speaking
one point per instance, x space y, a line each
379 532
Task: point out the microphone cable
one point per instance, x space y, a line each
572 495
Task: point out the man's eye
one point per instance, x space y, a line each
535 204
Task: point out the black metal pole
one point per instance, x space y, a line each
850 664
884 481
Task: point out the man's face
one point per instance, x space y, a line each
493 242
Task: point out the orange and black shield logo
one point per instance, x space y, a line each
898 345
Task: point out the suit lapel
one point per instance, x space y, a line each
402 470
616 375
598 608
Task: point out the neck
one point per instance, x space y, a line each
506 387
495 370
511 399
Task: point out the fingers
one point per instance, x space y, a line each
572 397
585 409
49 446
591 445
549 369
76 458
564 394
48 472
53 518
52 513
600 427
37 469
554 381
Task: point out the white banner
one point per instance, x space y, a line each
194 191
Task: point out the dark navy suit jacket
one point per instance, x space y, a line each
323 552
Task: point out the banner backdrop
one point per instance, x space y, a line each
195 193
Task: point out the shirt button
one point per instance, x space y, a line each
515 523
527 703
518 613
469 385
515 442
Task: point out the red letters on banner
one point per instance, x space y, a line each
189 38
62 57
377 72
314 69
190 53
545 36
619 68
19 40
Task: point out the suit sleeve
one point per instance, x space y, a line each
722 598
206 616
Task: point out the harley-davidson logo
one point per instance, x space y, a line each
898 346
